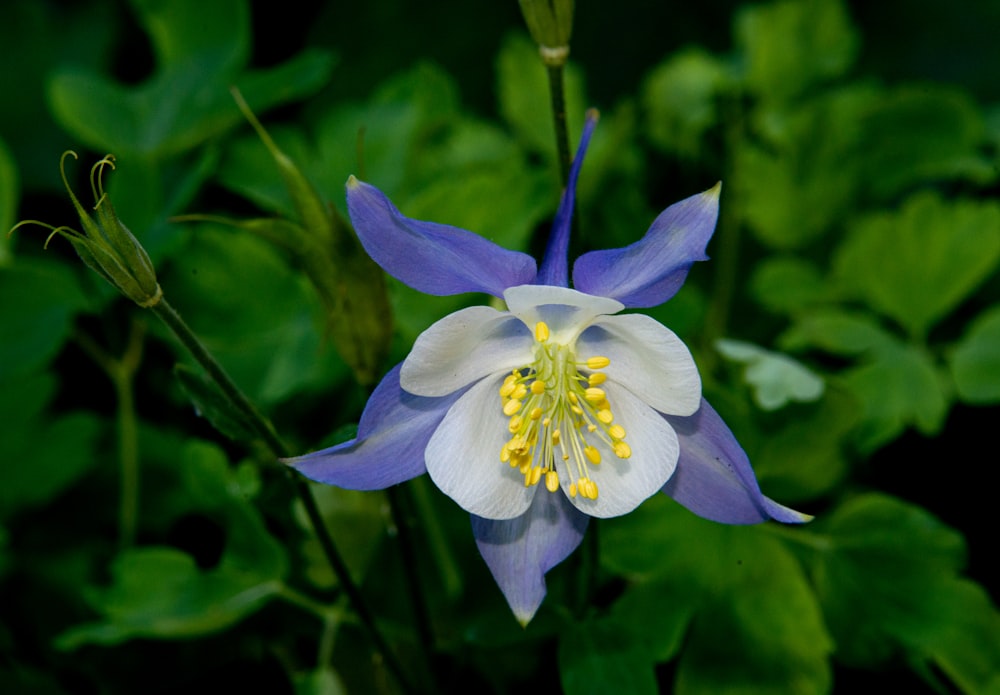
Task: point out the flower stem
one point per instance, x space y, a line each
265 430
558 93
122 374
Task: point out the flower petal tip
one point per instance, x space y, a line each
352 182
593 115
712 192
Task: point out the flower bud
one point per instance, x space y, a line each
106 245
550 23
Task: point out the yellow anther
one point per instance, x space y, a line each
591 427
504 454
616 432
538 387
552 481
573 398
597 378
594 395
576 409
536 475
592 454
536 413
604 416
572 489
556 436
515 423
546 422
516 443
511 407
622 450
507 388
591 489
541 332
597 362
520 391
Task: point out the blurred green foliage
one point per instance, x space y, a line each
848 329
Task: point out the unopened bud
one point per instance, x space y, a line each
551 24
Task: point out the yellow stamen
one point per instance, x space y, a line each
597 378
604 416
622 450
616 432
515 423
597 362
592 454
511 407
551 481
572 490
594 395
538 387
520 391
541 332
536 413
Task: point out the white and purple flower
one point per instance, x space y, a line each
536 418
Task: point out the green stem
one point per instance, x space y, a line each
122 374
727 248
400 505
265 430
558 94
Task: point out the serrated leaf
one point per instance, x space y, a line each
776 379
975 361
791 45
918 264
680 97
921 133
600 656
886 573
756 626
160 592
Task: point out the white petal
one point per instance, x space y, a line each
464 347
566 311
463 456
646 358
623 484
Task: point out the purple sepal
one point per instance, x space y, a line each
432 258
555 264
714 478
389 449
520 551
650 271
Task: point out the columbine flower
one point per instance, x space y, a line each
536 418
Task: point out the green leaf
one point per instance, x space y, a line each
805 457
600 656
776 379
918 264
975 361
789 46
921 133
322 681
886 574
896 384
46 458
672 608
680 98
255 315
523 88
755 624
9 193
160 592
40 299
787 285
796 181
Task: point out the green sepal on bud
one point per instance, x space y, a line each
323 244
551 25
106 245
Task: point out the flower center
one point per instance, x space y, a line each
557 410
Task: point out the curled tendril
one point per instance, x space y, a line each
96 178
52 230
